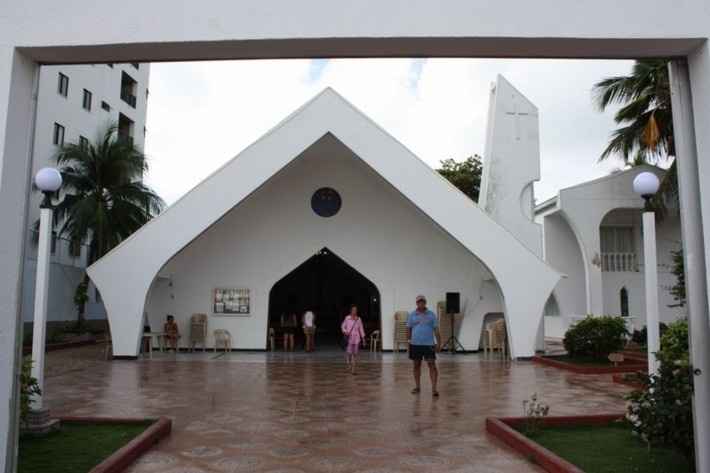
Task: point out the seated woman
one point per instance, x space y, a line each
172 334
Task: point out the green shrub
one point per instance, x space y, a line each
641 336
674 340
662 412
596 337
28 388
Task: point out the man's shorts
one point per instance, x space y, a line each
309 330
419 352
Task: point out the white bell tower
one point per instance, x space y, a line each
511 163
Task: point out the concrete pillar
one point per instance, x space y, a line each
595 285
39 323
694 193
651 286
18 76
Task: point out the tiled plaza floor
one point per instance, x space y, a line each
257 412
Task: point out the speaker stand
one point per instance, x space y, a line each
453 343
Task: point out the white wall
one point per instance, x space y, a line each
377 231
563 253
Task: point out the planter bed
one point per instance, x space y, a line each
26 350
91 445
591 444
586 367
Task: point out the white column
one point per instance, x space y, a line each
689 192
17 75
41 295
651 285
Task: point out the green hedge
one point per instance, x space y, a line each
596 337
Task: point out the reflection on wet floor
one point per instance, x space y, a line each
297 412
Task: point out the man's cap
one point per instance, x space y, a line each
421 298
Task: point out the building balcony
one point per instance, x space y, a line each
619 262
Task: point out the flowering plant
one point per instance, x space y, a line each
534 411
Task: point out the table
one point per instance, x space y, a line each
148 340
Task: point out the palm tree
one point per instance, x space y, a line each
646 115
104 198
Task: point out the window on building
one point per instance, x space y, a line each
617 245
86 103
83 142
75 248
105 106
53 247
63 85
97 295
624 302
125 128
58 135
128 89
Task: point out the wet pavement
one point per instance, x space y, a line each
291 413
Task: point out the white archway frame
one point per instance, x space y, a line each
224 30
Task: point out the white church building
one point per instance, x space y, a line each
328 209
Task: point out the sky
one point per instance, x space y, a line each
202 114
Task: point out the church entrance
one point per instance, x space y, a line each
327 286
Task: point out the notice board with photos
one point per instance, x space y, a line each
231 301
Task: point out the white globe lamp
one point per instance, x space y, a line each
646 184
48 180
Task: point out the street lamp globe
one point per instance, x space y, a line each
48 180
646 184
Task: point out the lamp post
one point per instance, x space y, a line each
47 180
646 184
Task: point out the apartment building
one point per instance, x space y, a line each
75 104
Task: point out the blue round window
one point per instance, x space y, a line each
326 202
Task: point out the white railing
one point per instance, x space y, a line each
619 262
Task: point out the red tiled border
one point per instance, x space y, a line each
502 428
582 369
122 458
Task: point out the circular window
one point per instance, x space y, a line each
326 202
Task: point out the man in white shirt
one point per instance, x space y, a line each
309 329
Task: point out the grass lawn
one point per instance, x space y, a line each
609 449
76 448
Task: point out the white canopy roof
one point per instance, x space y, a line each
125 274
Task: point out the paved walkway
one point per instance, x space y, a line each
257 412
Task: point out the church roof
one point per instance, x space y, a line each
139 258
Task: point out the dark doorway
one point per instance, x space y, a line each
326 285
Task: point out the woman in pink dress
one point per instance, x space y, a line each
355 333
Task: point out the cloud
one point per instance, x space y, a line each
202 114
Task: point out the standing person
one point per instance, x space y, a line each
309 330
424 342
355 333
172 334
289 323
